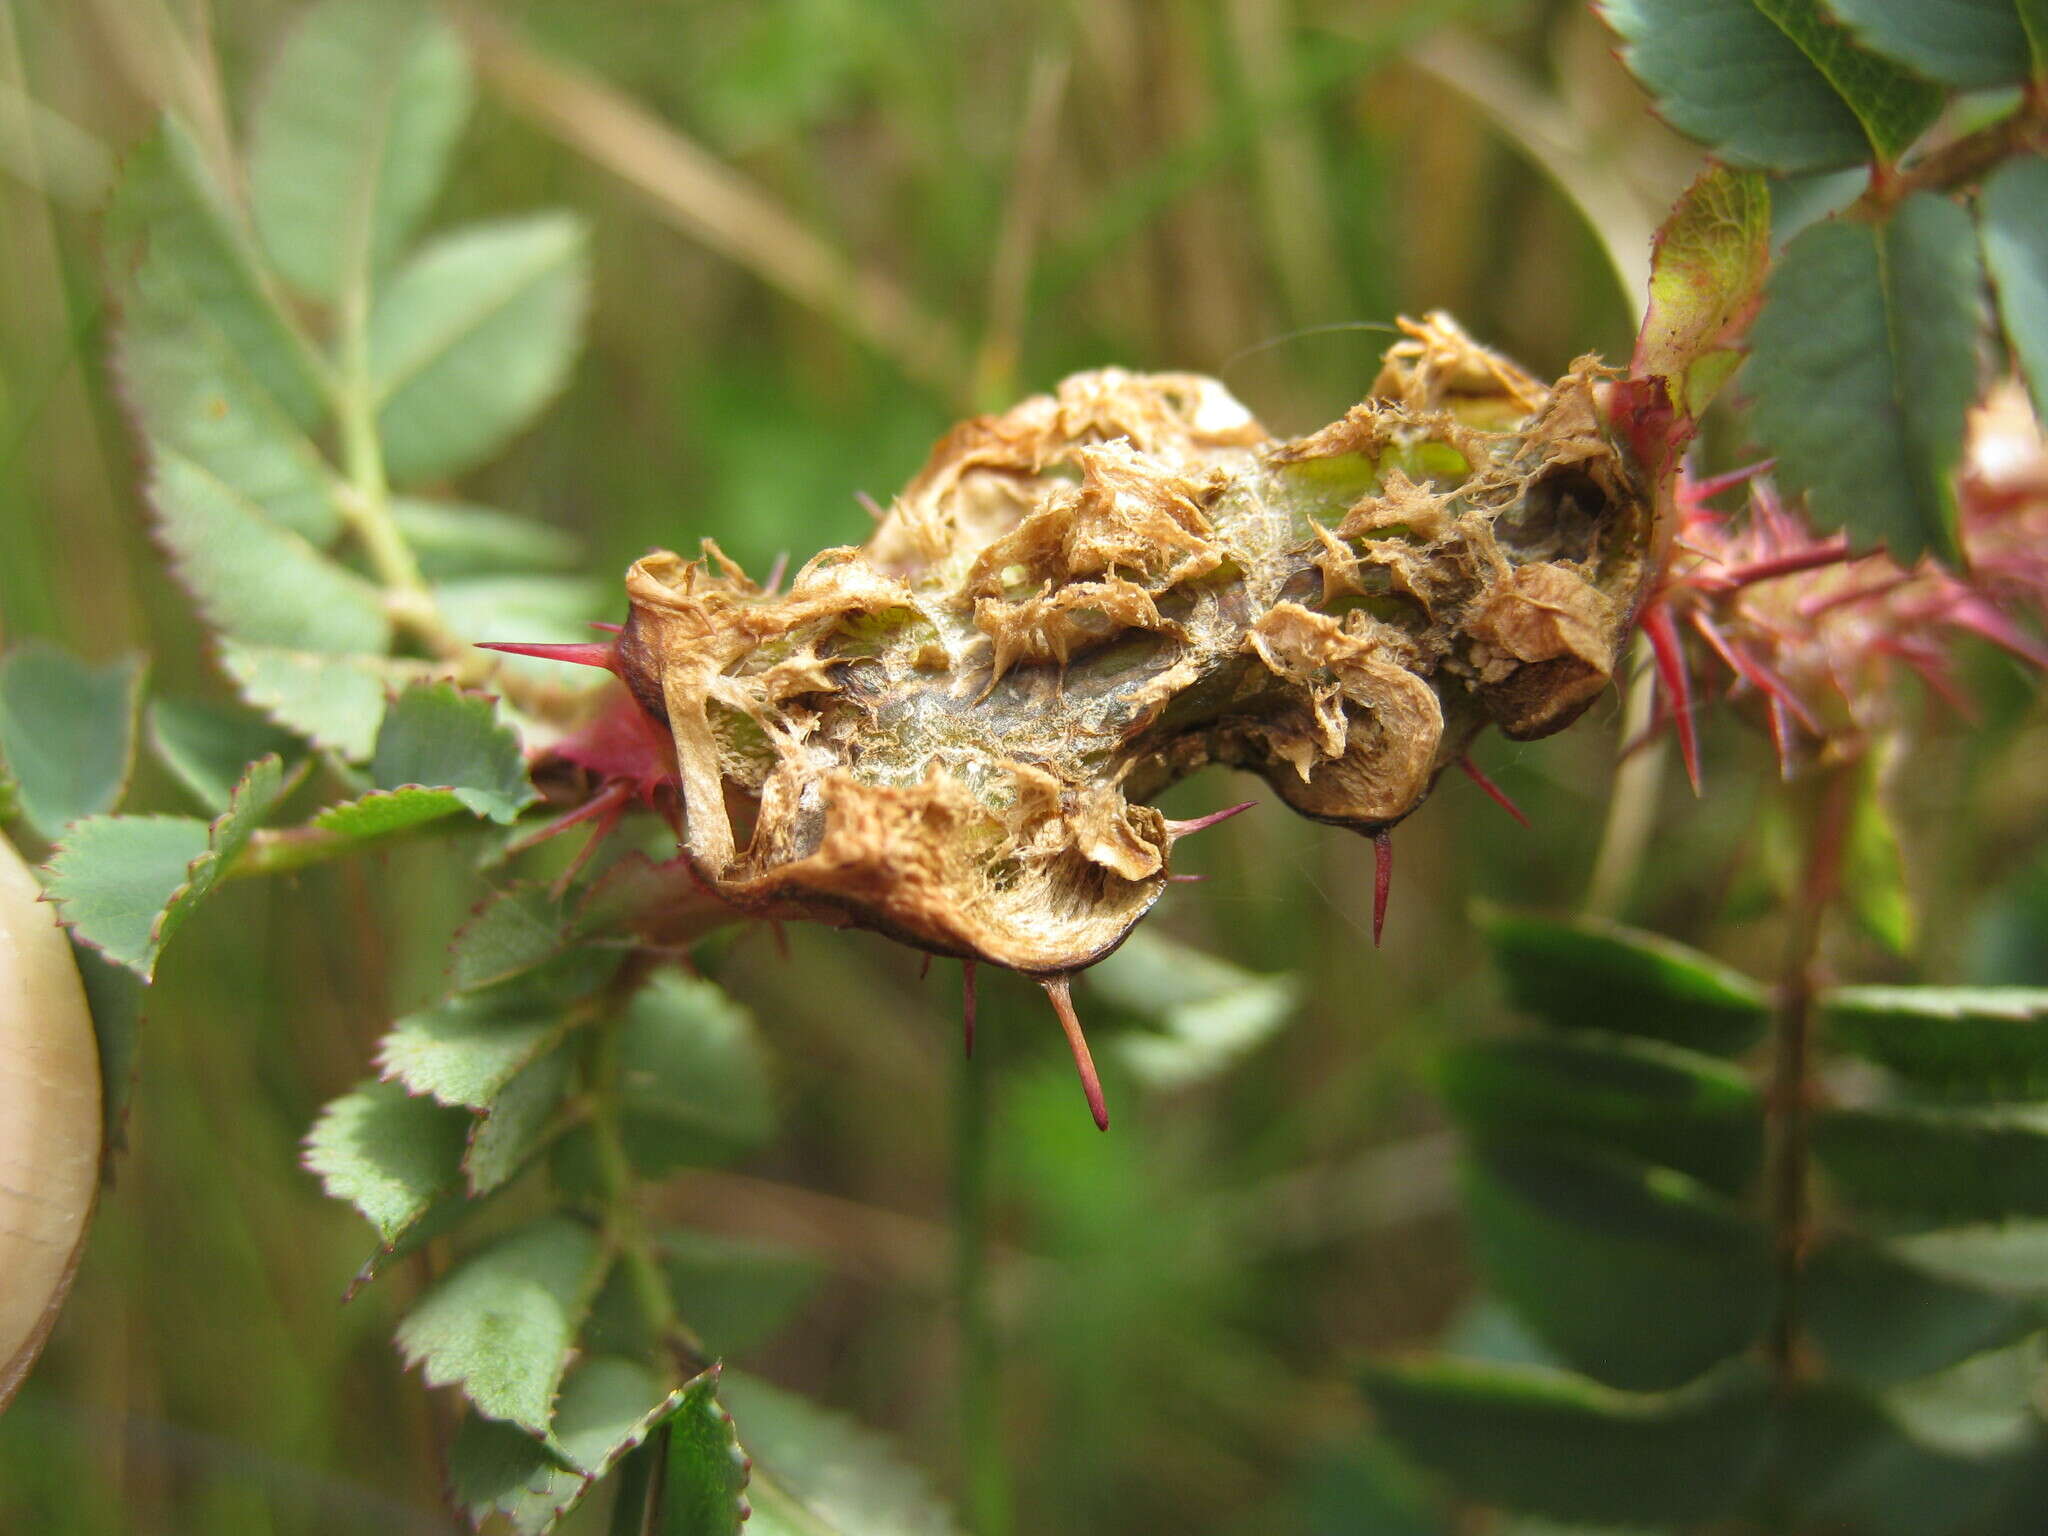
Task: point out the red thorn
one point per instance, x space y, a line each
1498 795
1382 880
1753 671
781 940
869 505
967 1005
1186 879
1203 823
776 572
582 653
610 629
924 968
1714 485
1662 634
1060 990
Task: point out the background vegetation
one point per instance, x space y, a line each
1182 1307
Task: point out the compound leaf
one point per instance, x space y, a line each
67 732
352 137
472 337
1862 365
501 1323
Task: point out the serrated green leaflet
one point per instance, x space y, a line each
472 337
1587 974
453 540
1638 1276
1965 43
1882 1320
2013 216
1668 1106
816 1470
1723 72
511 1129
112 876
1706 278
608 1407
1206 1012
254 580
1545 1443
252 800
1893 105
67 733
387 1153
352 137
216 371
436 737
464 1052
693 1077
1937 1167
500 1324
205 746
333 701
1988 1042
704 1492
1862 365
511 933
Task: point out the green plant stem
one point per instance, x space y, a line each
986 1472
1824 811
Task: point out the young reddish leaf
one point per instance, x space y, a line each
67 733
1706 278
500 1324
2013 212
1862 366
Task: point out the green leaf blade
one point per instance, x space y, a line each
1882 1320
352 138
451 540
436 737
2013 215
1673 1108
1637 1276
1587 974
212 365
1966 1042
694 1079
1893 106
113 875
1937 1167
67 733
1964 43
1541 1442
1706 278
388 1154
1862 367
206 747
1724 73
335 702
472 338
464 1052
500 1325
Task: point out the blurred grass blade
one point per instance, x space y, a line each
352 137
